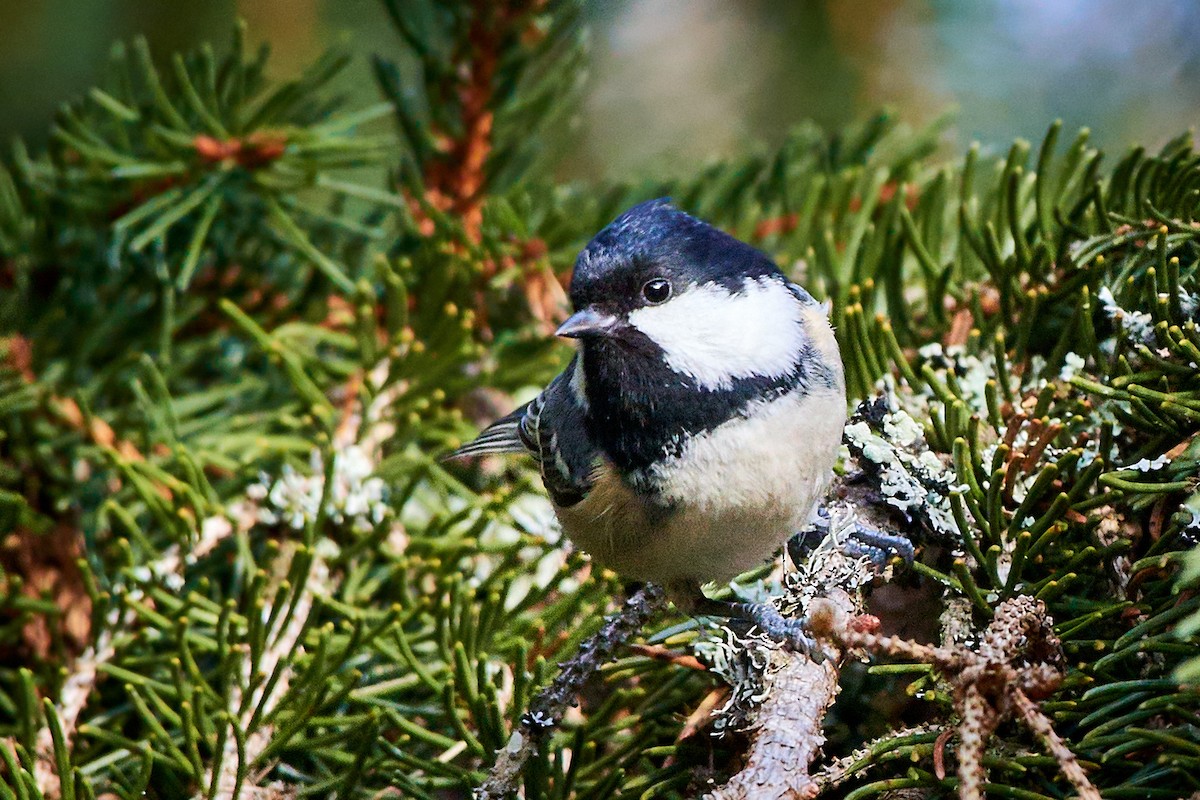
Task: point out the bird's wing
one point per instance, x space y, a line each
551 428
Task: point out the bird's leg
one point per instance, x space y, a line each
689 598
855 537
792 633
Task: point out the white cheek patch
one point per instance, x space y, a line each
716 337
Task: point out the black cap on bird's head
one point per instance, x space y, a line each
648 254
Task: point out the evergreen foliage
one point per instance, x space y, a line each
233 564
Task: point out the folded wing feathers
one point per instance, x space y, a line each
523 431
529 428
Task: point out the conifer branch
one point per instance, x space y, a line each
202 342
72 699
1019 656
86 669
244 744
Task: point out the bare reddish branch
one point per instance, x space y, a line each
660 653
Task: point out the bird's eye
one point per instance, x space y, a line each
656 291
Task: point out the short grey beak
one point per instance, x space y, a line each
586 322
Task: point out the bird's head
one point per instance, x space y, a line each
664 285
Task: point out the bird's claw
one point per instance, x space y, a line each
854 537
863 541
791 633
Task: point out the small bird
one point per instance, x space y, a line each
699 420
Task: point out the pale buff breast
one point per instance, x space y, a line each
736 494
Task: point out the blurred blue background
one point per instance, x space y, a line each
674 83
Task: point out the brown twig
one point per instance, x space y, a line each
1041 726
939 753
978 722
1019 661
701 716
660 653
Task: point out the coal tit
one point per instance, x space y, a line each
699 420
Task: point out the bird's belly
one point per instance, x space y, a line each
725 505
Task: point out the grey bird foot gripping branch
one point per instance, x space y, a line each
857 539
792 633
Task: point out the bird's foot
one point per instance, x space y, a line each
876 546
791 633
854 537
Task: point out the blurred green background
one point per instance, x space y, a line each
675 82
